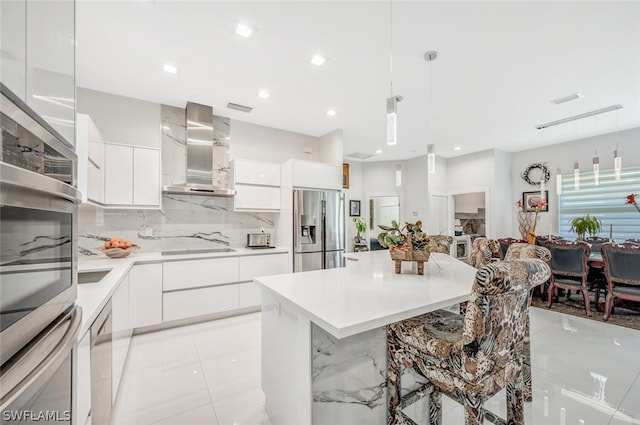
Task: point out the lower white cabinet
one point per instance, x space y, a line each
196 302
145 294
121 333
82 380
196 273
249 295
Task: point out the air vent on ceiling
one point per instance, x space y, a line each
359 155
237 107
566 99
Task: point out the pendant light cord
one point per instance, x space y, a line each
391 43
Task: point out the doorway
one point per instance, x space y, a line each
382 210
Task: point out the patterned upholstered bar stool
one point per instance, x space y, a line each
468 358
519 251
483 252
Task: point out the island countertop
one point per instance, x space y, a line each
368 294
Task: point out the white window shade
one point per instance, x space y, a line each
606 202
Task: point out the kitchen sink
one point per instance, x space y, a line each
197 251
91 277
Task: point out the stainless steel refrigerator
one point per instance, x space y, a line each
318 230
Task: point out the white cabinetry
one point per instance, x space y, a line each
469 202
132 176
50 63
314 175
215 285
13 42
91 162
121 332
145 294
249 294
82 380
257 185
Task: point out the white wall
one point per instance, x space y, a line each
563 155
330 147
415 184
354 192
501 207
252 141
122 119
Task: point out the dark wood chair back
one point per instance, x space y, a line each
596 242
504 245
622 263
569 258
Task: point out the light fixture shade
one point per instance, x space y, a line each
596 171
559 181
398 174
392 119
576 176
431 159
617 165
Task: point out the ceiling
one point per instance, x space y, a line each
499 65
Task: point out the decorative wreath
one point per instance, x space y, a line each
538 165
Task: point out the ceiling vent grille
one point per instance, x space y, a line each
240 108
359 155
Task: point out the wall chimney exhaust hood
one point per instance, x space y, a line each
199 155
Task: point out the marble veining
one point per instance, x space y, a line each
349 377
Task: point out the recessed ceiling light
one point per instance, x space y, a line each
318 60
244 30
378 150
457 148
171 69
264 94
331 112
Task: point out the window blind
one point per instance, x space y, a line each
606 201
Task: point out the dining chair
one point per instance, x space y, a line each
504 245
520 251
569 269
622 269
470 358
483 251
443 243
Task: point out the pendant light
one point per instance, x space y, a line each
392 102
430 56
596 169
617 160
576 176
543 188
559 181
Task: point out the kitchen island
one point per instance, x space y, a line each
323 333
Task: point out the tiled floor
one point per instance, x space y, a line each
584 372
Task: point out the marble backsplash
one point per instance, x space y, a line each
184 222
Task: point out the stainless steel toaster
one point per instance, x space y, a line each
255 240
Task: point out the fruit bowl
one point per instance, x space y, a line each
118 252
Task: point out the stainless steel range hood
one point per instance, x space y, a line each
199 155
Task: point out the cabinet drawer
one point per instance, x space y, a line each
249 295
196 273
262 265
257 173
197 302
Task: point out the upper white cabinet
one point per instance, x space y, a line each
91 162
50 63
469 202
13 44
132 176
313 175
257 185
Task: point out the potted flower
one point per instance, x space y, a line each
631 199
587 224
527 224
361 229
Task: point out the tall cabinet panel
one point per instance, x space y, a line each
13 17
50 59
146 176
118 188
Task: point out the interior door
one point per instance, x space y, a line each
440 214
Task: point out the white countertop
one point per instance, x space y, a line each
92 297
367 294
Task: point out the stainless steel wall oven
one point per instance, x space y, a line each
38 271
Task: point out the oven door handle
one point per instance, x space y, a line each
40 359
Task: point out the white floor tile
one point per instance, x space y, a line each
155 393
246 408
170 347
203 415
629 411
232 373
542 319
227 335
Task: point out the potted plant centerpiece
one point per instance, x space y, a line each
408 243
587 224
